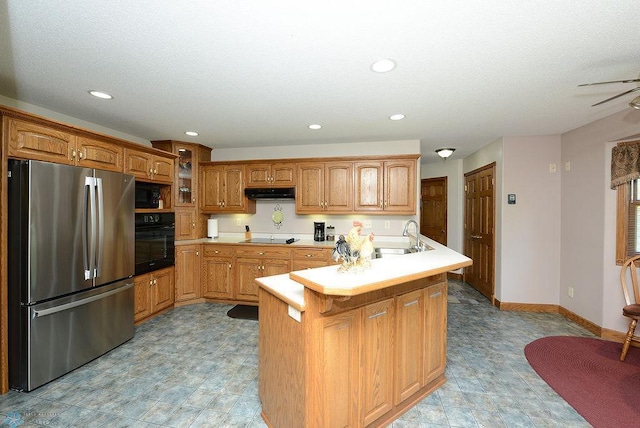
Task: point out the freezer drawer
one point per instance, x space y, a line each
61 335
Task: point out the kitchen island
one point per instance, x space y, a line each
354 349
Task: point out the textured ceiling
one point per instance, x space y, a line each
255 73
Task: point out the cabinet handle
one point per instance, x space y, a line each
229 265
381 204
435 294
193 224
379 314
155 171
216 252
411 303
73 153
476 236
197 253
261 254
80 154
193 200
150 282
309 255
150 172
155 282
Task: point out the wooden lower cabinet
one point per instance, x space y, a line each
153 293
250 268
360 361
217 272
188 272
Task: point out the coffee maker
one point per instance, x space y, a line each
318 230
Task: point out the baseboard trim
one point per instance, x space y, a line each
453 275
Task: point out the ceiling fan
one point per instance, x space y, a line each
635 103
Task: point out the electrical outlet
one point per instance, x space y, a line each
366 224
570 292
387 224
552 167
238 222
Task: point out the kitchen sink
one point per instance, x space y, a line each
393 252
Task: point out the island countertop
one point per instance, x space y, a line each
384 272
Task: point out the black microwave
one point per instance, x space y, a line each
147 195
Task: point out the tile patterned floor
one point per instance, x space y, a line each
196 367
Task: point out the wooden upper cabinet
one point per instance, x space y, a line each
324 187
387 186
98 154
148 167
222 189
31 141
277 174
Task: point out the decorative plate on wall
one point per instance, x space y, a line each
277 217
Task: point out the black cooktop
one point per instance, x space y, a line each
269 241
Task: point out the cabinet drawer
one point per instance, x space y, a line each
311 254
218 250
263 251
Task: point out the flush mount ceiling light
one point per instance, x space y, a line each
635 103
315 126
383 65
397 117
191 133
445 153
102 95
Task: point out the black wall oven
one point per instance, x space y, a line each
155 234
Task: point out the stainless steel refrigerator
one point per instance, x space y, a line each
71 264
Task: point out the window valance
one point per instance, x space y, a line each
625 163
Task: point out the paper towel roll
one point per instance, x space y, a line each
212 228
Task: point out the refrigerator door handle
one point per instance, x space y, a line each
44 312
89 228
100 243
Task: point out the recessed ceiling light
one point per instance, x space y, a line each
315 126
397 116
100 94
191 133
383 65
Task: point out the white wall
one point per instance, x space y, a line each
589 220
530 229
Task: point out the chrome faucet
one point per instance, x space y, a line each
405 232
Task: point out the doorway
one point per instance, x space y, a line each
479 230
433 209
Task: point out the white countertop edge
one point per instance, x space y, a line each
284 288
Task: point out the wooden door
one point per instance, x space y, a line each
98 154
30 141
283 174
142 300
163 293
216 278
400 186
187 272
369 186
409 361
185 227
138 164
377 360
310 187
433 213
338 187
259 175
234 188
272 267
211 187
479 238
163 169
435 348
248 269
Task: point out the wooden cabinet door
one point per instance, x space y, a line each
272 267
30 141
142 300
369 186
338 188
400 186
259 175
339 370
247 270
162 169
377 359
186 176
187 272
409 344
97 154
234 199
310 188
211 187
216 274
185 224
435 349
162 289
283 174
138 164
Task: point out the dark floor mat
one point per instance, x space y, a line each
244 312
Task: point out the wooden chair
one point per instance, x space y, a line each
629 279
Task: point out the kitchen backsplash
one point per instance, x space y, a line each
261 221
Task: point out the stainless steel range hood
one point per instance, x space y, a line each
270 193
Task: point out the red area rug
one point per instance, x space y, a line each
588 374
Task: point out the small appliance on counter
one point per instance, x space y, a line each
331 233
318 230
